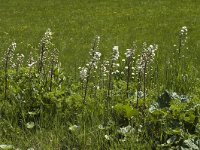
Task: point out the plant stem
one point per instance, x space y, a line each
145 67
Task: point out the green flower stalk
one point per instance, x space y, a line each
115 57
44 45
86 71
146 58
7 60
129 63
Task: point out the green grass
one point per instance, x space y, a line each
45 107
76 23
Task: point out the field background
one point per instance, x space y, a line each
76 23
155 102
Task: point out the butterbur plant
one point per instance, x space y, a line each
19 62
103 73
85 72
182 38
180 71
31 71
54 64
129 67
45 44
47 61
143 64
31 63
7 63
179 53
182 65
114 58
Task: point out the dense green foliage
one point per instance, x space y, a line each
114 104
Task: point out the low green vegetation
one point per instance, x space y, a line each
138 88
125 102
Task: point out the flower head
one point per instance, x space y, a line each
183 35
148 55
115 55
83 73
129 53
47 36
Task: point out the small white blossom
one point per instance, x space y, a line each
117 65
31 65
107 62
87 65
101 127
139 94
125 130
117 71
74 128
107 137
3 146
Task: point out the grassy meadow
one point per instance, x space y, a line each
76 23
99 74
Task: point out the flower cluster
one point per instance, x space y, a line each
183 35
47 36
125 131
45 45
19 61
184 30
74 128
104 69
146 58
83 73
93 63
54 57
31 61
115 55
10 51
129 53
130 58
95 58
94 54
8 56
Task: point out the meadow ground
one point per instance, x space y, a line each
143 97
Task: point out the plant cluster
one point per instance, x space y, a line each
117 103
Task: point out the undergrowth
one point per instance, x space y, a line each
119 102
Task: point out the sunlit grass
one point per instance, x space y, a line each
117 22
